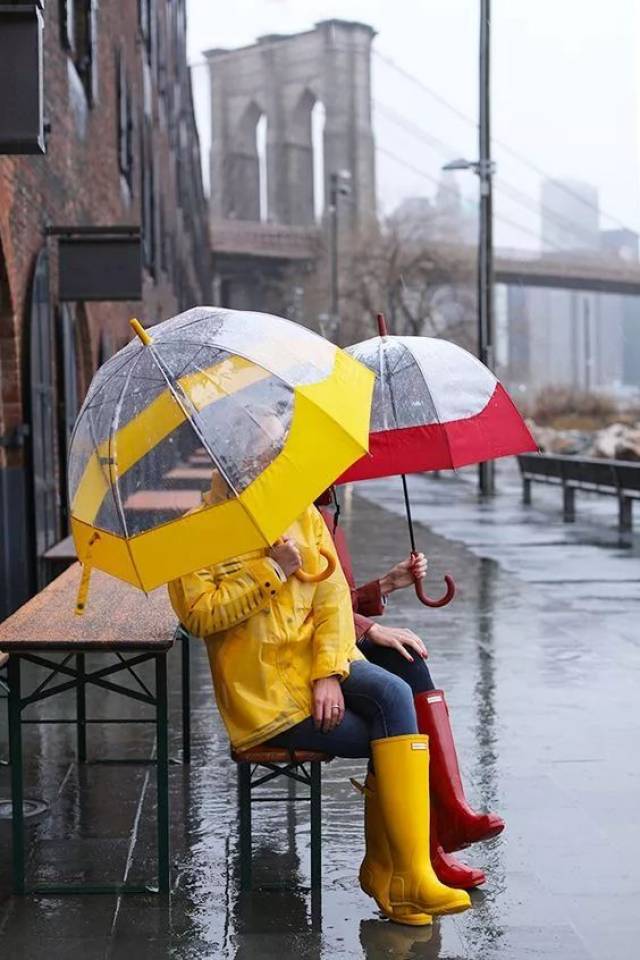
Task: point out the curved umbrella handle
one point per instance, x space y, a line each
444 600
323 574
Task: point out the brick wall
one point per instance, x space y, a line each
79 182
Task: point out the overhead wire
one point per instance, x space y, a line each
526 161
418 171
446 150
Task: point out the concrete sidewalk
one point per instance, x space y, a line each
540 659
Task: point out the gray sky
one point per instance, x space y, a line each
565 88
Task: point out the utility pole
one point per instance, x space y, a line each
484 167
338 186
486 471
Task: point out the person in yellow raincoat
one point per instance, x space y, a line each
287 672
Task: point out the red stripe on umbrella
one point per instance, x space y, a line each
495 432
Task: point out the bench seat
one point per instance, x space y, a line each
279 755
117 616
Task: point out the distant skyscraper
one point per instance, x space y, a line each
570 215
447 218
574 338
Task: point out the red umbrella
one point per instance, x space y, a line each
435 407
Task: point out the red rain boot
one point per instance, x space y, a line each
459 824
448 870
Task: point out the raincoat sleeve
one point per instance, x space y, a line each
218 598
367 599
362 625
334 635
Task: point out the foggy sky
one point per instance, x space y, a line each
564 92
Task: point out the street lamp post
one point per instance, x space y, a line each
338 186
486 471
484 168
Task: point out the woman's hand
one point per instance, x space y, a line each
404 574
286 555
328 703
398 639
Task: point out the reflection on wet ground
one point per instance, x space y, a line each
540 659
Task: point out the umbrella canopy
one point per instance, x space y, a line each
272 409
435 407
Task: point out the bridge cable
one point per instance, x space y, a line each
505 146
446 150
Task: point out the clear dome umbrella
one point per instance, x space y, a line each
270 411
435 407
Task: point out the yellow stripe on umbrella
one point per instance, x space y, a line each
163 415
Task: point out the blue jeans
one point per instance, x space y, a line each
377 704
416 674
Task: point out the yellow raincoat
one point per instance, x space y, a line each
268 639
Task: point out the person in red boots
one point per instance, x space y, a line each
454 823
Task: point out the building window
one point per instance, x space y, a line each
161 57
148 201
125 122
78 24
145 17
163 237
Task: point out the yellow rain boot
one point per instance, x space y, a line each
402 780
375 871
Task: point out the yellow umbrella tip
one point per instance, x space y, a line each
140 331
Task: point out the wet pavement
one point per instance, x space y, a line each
540 657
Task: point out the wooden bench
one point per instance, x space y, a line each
121 624
617 478
189 478
299 766
59 557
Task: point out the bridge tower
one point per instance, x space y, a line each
282 78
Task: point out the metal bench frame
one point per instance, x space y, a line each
251 778
4 695
72 667
618 478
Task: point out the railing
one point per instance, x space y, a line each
618 478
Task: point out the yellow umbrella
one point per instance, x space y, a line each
274 410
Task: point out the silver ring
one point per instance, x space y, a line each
335 707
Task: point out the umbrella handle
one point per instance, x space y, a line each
444 600
323 574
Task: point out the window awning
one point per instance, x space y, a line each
99 263
21 78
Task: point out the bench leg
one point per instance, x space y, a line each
17 784
526 492
316 825
81 710
244 805
186 699
4 694
569 504
162 772
625 514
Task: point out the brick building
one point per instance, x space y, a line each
121 150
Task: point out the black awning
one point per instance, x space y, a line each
21 95
99 263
